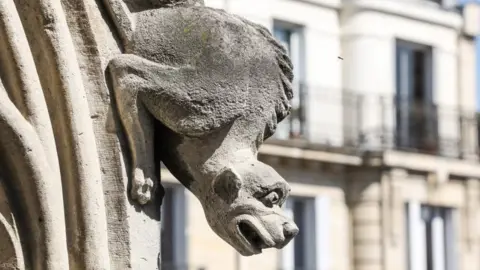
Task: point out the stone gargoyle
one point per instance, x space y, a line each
213 86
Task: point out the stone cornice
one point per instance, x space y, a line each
441 166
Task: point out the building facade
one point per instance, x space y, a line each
380 149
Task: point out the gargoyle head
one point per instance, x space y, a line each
243 206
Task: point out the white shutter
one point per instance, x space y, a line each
288 252
416 237
322 232
283 128
295 55
295 45
404 92
438 240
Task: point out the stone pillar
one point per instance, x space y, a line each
468 96
393 219
468 246
377 218
364 195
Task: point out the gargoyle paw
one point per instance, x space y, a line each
142 187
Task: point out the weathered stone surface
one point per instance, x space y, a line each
217 85
196 88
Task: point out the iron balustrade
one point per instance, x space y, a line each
341 119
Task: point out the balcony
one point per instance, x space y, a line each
337 120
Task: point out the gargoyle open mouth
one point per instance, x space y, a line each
253 237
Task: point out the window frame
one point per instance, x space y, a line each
179 211
440 227
317 227
406 104
297 53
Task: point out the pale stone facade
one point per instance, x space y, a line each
367 218
387 208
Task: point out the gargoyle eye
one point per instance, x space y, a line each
272 198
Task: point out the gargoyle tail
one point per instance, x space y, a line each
122 18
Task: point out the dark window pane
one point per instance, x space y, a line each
167 234
419 73
299 243
429 213
416 114
283 35
429 246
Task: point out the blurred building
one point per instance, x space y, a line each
381 146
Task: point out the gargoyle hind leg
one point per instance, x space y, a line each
139 129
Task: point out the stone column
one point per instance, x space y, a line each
364 194
393 219
467 96
468 246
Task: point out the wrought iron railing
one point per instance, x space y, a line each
367 122
294 126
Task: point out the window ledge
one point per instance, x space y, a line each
435 164
440 166
412 10
312 155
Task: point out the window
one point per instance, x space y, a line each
309 249
173 222
291 37
431 243
448 4
416 113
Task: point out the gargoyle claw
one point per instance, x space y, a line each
142 188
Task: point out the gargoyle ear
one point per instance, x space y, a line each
227 185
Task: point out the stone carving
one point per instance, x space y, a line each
11 255
213 86
194 87
53 106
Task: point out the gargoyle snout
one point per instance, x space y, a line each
290 230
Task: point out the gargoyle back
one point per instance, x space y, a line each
231 68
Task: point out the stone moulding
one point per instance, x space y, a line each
10 259
69 68
27 136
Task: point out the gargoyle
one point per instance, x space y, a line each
214 86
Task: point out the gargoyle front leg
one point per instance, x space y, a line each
139 128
